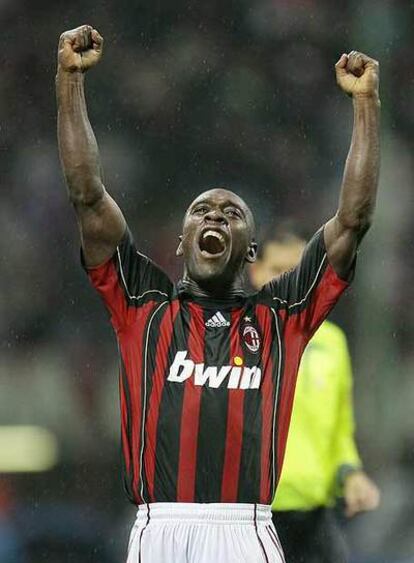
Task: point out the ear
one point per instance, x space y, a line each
252 252
179 251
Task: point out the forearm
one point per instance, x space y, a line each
78 148
360 180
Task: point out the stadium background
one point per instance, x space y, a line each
189 95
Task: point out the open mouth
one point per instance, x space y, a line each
212 243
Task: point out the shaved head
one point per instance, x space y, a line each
232 197
217 240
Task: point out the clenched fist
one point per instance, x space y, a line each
79 49
357 74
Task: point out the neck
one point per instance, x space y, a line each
215 289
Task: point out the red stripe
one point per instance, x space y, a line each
234 433
158 378
264 318
299 328
131 345
124 425
105 280
191 411
294 345
324 297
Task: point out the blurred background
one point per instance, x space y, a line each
189 95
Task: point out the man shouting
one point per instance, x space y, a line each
208 371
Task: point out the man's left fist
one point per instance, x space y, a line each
358 75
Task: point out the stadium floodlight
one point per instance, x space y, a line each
25 449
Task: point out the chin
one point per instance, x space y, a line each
209 273
209 270
214 276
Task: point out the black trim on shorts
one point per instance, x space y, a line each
142 531
257 534
276 542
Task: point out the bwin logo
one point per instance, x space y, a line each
237 377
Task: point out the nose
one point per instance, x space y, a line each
216 216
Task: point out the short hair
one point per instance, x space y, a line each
249 214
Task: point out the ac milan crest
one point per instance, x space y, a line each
251 338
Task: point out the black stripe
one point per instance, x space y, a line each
213 415
292 287
127 476
153 296
250 462
150 361
298 303
274 353
276 541
257 534
137 274
279 399
278 354
169 421
142 531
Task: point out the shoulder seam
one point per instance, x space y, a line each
290 306
137 297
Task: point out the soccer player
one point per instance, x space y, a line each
208 372
321 432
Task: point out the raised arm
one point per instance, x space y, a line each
101 222
358 76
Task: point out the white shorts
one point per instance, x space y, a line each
204 533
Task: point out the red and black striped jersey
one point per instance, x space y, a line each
207 386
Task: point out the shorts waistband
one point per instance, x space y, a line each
232 513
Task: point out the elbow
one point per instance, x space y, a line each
83 199
84 191
358 223
363 228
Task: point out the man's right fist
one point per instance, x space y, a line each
79 49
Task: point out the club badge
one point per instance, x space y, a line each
251 338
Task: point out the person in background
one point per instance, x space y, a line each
321 460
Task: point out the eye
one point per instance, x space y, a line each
232 212
200 209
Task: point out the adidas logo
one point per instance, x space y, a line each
217 320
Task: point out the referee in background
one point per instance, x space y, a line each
321 461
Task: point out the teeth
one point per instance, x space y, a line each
213 234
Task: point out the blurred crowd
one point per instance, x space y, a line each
190 95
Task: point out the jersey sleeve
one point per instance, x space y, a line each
309 291
127 281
